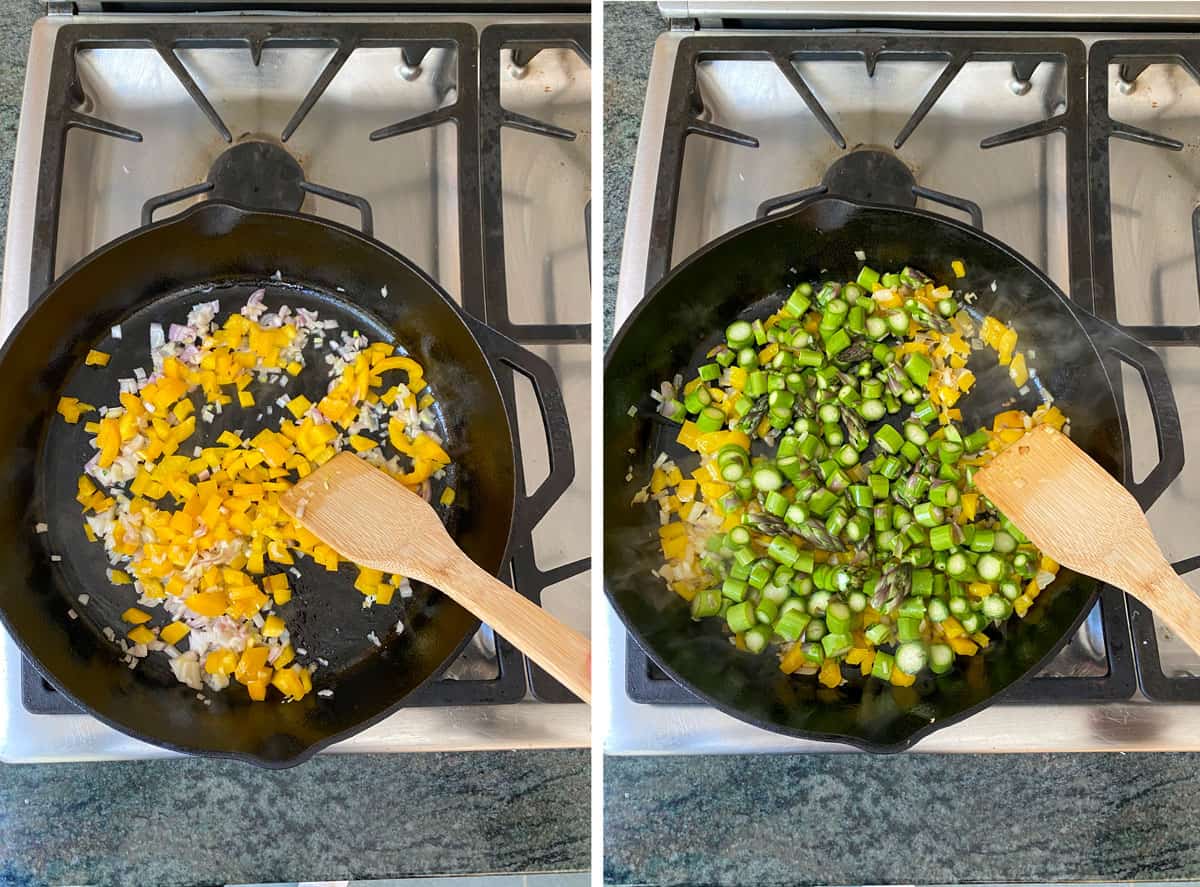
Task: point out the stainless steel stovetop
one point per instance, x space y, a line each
423 204
994 127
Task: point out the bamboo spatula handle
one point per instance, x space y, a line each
1171 599
562 651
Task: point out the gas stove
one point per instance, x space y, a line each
1070 138
462 141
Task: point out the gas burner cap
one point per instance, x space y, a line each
873 176
258 175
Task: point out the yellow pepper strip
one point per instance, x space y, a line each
685 590
291 682
969 504
71 408
689 435
1010 419
953 628
901 679
173 633
427 457
674 540
1018 371
96 358
134 616
141 635
963 646
960 270
831 673
792 660
980 589
714 440
868 661
221 662
298 406
207 603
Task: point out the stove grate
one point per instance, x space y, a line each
1132 58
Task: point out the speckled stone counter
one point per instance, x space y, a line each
193 822
855 819
858 819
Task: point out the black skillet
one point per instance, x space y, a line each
747 273
219 251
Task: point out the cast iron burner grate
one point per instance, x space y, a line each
1133 57
525 42
259 171
685 116
259 175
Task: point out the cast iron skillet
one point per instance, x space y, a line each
219 251
747 273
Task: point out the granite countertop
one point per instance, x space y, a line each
193 821
853 818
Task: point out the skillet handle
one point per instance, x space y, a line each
1111 339
546 389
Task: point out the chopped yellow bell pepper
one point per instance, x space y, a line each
299 405
963 646
830 674
71 408
980 589
901 679
141 635
252 661
1017 371
792 660
208 603
221 662
173 633
134 616
969 504
1006 345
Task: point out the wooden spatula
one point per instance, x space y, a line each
1074 511
367 517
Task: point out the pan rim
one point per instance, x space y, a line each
845 739
241 215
